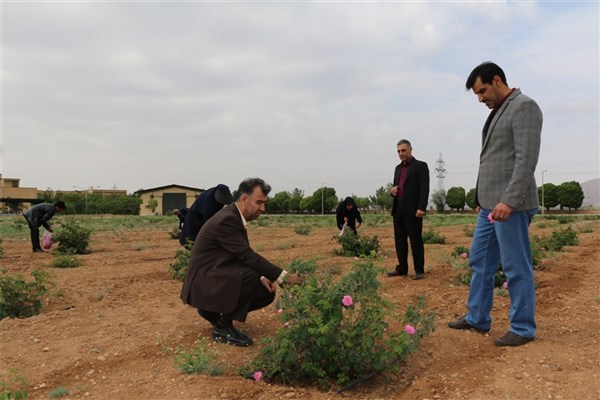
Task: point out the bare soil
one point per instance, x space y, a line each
103 331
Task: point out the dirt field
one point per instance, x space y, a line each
102 332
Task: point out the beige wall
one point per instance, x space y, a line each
9 187
190 196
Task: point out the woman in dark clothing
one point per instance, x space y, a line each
347 213
204 207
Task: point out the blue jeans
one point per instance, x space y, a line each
506 242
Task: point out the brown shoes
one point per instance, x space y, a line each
461 323
512 339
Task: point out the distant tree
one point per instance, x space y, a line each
438 198
322 199
305 204
455 198
470 199
550 195
382 197
294 203
361 202
280 203
570 195
48 195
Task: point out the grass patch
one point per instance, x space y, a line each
432 237
200 360
58 392
66 261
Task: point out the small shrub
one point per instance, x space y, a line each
501 292
302 267
20 299
460 250
565 219
286 245
66 261
303 229
338 332
464 274
356 246
7 390
469 230
73 238
1 249
58 392
200 361
139 246
179 267
174 233
561 238
432 237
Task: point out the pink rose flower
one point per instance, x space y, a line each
286 324
505 285
347 301
490 218
258 376
464 255
409 329
279 311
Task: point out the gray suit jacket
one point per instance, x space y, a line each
509 155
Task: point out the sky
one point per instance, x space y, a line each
140 94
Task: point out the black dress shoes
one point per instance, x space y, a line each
230 335
512 339
395 273
461 323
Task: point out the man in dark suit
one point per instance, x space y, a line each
226 279
411 193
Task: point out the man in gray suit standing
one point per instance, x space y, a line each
507 199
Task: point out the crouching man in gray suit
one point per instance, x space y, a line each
507 199
226 279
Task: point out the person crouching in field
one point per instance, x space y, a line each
38 216
348 214
226 279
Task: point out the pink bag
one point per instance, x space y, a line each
47 240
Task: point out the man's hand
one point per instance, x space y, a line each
394 191
346 220
420 214
501 212
268 284
357 225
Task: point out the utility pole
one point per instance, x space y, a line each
323 198
440 172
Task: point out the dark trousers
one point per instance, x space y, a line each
408 226
253 296
35 235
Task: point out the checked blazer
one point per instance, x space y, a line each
509 155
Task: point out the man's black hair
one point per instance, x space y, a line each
486 71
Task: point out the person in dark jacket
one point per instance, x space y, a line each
39 215
204 207
226 279
411 194
180 213
347 213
